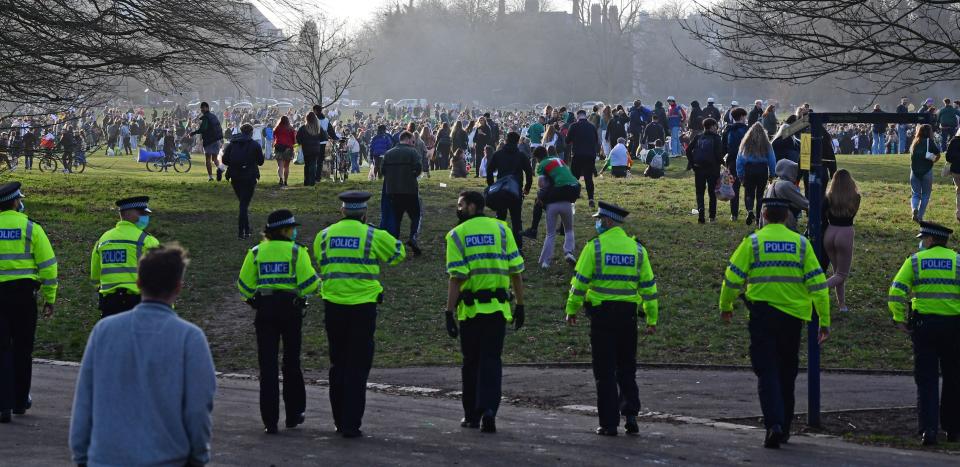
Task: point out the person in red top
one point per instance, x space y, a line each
284 137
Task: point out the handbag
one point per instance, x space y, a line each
724 188
503 193
930 156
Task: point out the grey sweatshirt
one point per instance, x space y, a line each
145 392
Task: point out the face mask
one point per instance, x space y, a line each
294 236
143 222
462 216
921 247
22 207
599 226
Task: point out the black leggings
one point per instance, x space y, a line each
244 190
754 184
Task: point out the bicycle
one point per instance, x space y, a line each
338 163
180 161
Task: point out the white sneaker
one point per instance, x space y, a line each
571 260
544 266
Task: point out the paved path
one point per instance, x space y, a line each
698 393
404 430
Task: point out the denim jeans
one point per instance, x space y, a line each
902 138
879 141
946 132
354 162
675 147
921 187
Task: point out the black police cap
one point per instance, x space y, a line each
134 202
354 200
612 211
10 191
281 219
933 230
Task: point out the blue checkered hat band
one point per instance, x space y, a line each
611 214
281 223
16 194
355 206
137 205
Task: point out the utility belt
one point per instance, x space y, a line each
611 306
469 297
916 319
20 285
272 297
118 291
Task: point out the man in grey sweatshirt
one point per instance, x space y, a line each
786 186
146 385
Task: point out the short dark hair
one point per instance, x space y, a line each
738 113
8 205
473 197
161 269
775 214
709 123
204 104
540 153
406 135
246 129
513 137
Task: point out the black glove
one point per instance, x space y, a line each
452 330
518 317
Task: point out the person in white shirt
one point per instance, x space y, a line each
618 159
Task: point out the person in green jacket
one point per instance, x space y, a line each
947 118
923 154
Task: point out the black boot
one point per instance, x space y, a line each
631 426
772 440
488 424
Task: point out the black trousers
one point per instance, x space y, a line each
516 220
552 194
18 325
936 346
312 160
774 355
754 184
735 202
706 181
350 330
443 156
584 166
409 204
244 189
117 302
481 342
279 320
613 343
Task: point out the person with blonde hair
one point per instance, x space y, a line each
840 206
756 163
923 154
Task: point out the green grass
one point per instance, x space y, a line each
688 260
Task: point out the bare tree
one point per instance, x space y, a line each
886 46
58 54
321 63
610 27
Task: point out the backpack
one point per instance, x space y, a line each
703 152
657 160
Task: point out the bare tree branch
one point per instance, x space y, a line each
892 45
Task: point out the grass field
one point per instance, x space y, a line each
688 260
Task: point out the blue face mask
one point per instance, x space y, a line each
599 226
921 247
294 236
143 222
22 207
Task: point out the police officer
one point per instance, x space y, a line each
349 253
113 262
932 275
27 264
613 276
783 279
483 263
275 279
